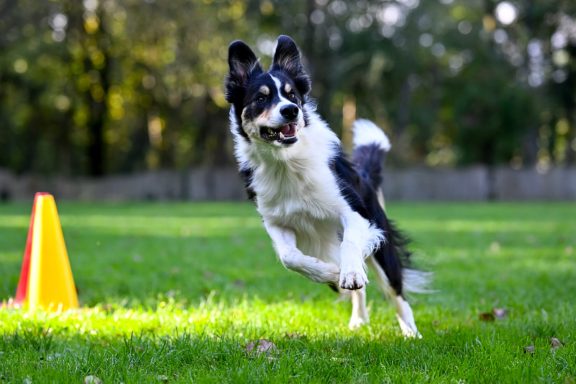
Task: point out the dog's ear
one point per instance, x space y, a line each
287 58
243 63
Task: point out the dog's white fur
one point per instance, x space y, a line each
367 133
302 207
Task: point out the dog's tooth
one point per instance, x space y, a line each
281 135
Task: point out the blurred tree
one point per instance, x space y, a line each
539 40
29 129
109 86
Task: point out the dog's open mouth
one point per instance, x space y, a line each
284 134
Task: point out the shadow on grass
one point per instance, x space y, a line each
190 262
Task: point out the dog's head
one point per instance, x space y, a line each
268 105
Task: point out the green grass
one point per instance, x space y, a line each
175 293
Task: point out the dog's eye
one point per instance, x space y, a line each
261 99
292 96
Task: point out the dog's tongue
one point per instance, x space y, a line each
288 130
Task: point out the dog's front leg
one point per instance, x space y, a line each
284 241
358 241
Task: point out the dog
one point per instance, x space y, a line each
323 212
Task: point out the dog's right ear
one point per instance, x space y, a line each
243 63
287 58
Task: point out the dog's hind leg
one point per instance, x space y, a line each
359 315
406 318
403 310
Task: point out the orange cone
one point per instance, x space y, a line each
22 290
46 279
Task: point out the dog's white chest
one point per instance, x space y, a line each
287 193
307 201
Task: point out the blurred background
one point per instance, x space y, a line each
123 99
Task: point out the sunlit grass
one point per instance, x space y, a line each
175 292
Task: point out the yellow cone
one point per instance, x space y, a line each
50 285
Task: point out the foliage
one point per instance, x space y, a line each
108 86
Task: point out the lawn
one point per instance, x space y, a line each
182 292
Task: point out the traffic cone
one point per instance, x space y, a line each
46 277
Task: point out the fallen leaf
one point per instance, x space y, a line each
500 313
555 343
208 275
529 349
495 247
486 316
91 379
260 347
53 356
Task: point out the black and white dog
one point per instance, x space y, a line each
323 213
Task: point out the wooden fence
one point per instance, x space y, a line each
413 184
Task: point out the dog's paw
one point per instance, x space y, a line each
357 322
409 331
353 279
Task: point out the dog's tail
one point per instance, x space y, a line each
393 258
370 147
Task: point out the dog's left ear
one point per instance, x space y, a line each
287 58
243 64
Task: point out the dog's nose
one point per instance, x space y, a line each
289 112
